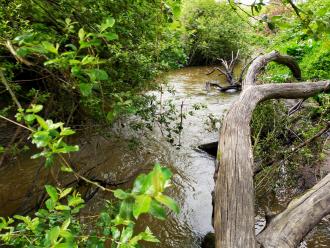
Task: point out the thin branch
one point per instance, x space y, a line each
16 123
5 83
17 57
296 107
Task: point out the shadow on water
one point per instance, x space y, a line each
114 160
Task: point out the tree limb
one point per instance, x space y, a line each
288 228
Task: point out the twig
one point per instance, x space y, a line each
77 175
17 57
16 123
5 83
296 107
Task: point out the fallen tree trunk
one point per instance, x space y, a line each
289 227
234 191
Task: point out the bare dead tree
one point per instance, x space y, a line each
234 192
228 71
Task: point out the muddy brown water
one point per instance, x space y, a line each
114 159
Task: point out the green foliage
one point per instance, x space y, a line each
86 52
212 30
58 223
48 135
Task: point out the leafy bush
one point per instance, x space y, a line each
212 30
83 53
58 223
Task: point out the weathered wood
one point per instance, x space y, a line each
288 228
234 191
260 63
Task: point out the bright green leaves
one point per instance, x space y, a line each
57 225
52 192
157 210
81 34
41 138
52 235
153 183
168 202
81 58
147 195
146 236
121 194
141 205
2 149
48 135
34 109
109 22
49 47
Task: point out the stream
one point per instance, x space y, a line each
109 158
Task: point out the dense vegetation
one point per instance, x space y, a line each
100 54
76 61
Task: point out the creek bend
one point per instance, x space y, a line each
112 159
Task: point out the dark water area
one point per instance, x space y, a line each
113 158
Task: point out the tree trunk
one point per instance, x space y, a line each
288 228
234 192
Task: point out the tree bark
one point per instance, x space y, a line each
288 228
234 190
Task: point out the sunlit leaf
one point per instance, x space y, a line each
168 202
141 205
52 192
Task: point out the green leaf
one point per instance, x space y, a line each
85 89
141 205
115 233
157 210
73 47
67 131
41 138
126 234
65 245
34 108
66 169
126 209
86 44
42 122
81 34
29 118
109 22
62 208
110 36
68 149
142 183
65 192
52 192
120 194
66 224
53 234
74 201
49 47
50 204
168 202
97 74
148 236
